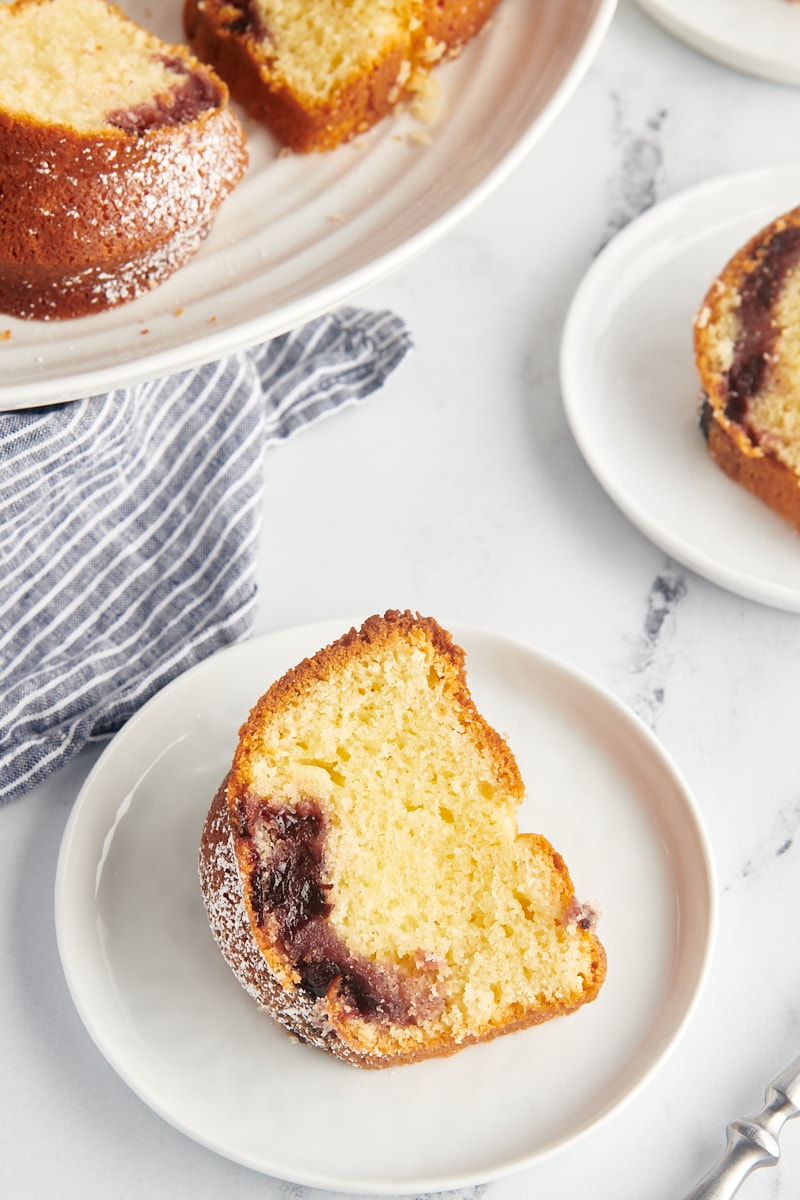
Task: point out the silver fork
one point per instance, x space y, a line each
753 1142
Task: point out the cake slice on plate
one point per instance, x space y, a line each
362 868
747 350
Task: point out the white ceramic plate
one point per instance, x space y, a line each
632 394
303 233
168 1014
761 37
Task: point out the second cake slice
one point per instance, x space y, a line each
317 74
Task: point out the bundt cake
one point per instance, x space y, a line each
361 865
116 151
318 74
747 350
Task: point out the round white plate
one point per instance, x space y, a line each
161 1004
303 233
632 394
761 37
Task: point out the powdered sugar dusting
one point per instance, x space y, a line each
221 884
111 216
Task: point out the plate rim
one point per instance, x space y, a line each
737 55
446 1180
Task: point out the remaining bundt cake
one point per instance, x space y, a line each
116 151
361 865
747 349
318 74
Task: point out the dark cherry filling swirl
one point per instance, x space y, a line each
247 19
192 93
287 888
759 294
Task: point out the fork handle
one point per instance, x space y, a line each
752 1142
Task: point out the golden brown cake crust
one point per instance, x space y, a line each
214 30
228 869
762 474
91 220
734 446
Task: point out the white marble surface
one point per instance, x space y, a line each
459 491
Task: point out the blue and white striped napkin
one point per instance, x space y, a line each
129 525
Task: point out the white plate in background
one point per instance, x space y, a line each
168 1014
303 233
632 393
761 37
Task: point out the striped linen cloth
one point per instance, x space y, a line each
129 525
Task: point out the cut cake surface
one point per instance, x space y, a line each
362 868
